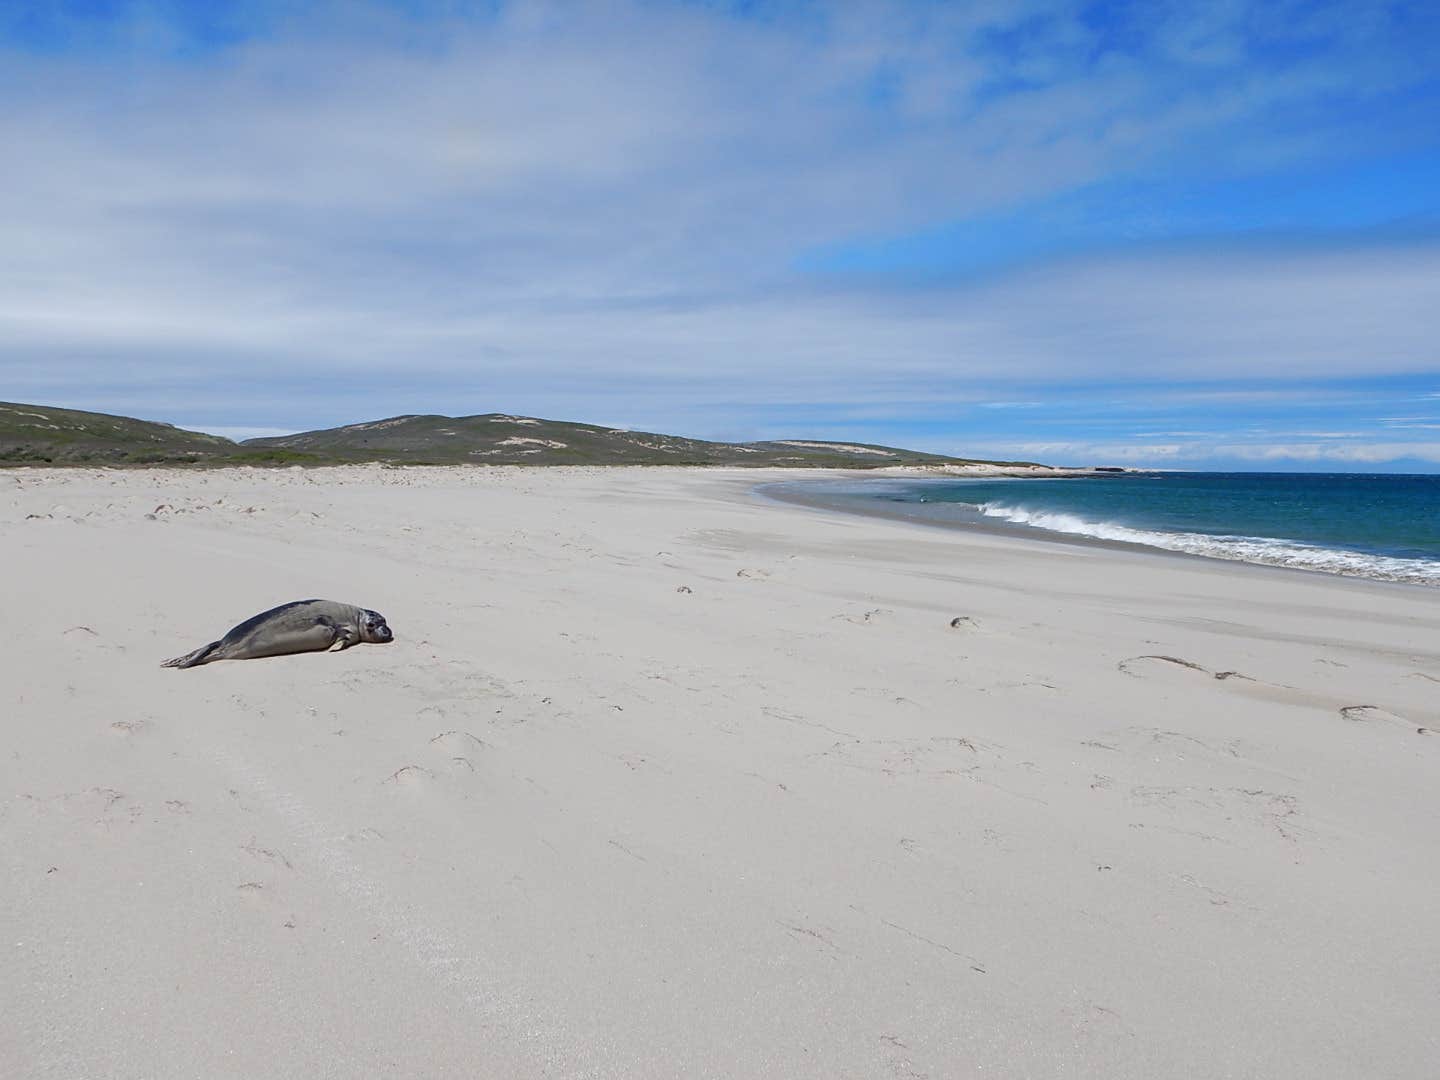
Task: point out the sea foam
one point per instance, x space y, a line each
1256 549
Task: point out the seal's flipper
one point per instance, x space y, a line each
191 659
345 636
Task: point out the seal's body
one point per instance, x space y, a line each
301 626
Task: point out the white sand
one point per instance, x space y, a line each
575 822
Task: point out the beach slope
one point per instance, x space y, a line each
662 779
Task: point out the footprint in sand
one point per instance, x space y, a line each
1223 812
88 638
1158 666
265 854
458 742
1178 670
460 747
254 892
1141 666
925 758
98 808
880 693
1156 743
410 776
1373 714
127 728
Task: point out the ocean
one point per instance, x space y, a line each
1380 526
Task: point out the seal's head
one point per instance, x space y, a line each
373 628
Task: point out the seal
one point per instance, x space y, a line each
297 627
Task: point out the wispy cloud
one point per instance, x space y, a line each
296 219
1366 454
1216 452
239 434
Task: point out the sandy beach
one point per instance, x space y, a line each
663 779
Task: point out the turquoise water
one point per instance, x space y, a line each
1377 526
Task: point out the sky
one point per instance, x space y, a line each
1141 233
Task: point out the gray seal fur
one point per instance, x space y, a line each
297 627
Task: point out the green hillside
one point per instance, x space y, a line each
501 439
37 434
42 434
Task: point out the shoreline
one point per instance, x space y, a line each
877 509
780 477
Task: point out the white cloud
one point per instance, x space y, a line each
597 207
1364 453
1202 454
238 434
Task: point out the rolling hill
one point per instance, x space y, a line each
43 434
502 439
37 434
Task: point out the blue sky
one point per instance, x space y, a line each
1137 233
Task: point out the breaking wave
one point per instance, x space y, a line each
1253 549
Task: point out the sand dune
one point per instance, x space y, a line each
661 779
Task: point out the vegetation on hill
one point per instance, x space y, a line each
502 439
40 434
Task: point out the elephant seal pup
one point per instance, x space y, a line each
301 626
